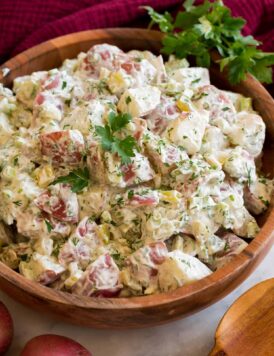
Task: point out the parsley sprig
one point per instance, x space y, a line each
112 143
210 26
48 225
78 179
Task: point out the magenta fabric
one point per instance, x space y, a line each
25 23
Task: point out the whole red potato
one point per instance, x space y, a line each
6 329
53 345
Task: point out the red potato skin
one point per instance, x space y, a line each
6 329
53 345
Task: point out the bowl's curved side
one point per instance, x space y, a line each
135 312
148 310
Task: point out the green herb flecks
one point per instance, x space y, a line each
24 257
49 226
249 178
15 161
119 259
17 202
264 201
130 194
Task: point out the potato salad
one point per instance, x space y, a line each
122 174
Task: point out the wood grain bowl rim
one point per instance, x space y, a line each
239 263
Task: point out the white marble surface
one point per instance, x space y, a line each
192 336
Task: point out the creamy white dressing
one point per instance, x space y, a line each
180 209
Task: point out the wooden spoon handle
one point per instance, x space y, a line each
247 328
217 351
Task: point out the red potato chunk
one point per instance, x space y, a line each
95 162
221 110
101 56
101 279
41 268
40 99
234 245
140 126
48 105
138 171
51 82
85 227
167 110
143 263
136 198
163 155
63 147
158 252
139 200
33 224
106 167
130 67
112 58
60 202
257 196
141 70
71 253
82 243
48 277
58 227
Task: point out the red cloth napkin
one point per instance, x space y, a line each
25 23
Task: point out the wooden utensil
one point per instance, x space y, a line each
154 309
247 328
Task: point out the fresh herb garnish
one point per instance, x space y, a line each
111 143
64 85
264 201
78 179
57 245
117 122
24 257
15 161
210 26
231 197
226 247
75 241
49 226
128 100
100 86
67 102
17 202
195 81
118 258
249 179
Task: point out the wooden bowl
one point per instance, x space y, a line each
155 309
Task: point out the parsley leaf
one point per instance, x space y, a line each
128 100
123 147
49 226
209 26
164 21
17 202
106 137
78 179
117 122
130 194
